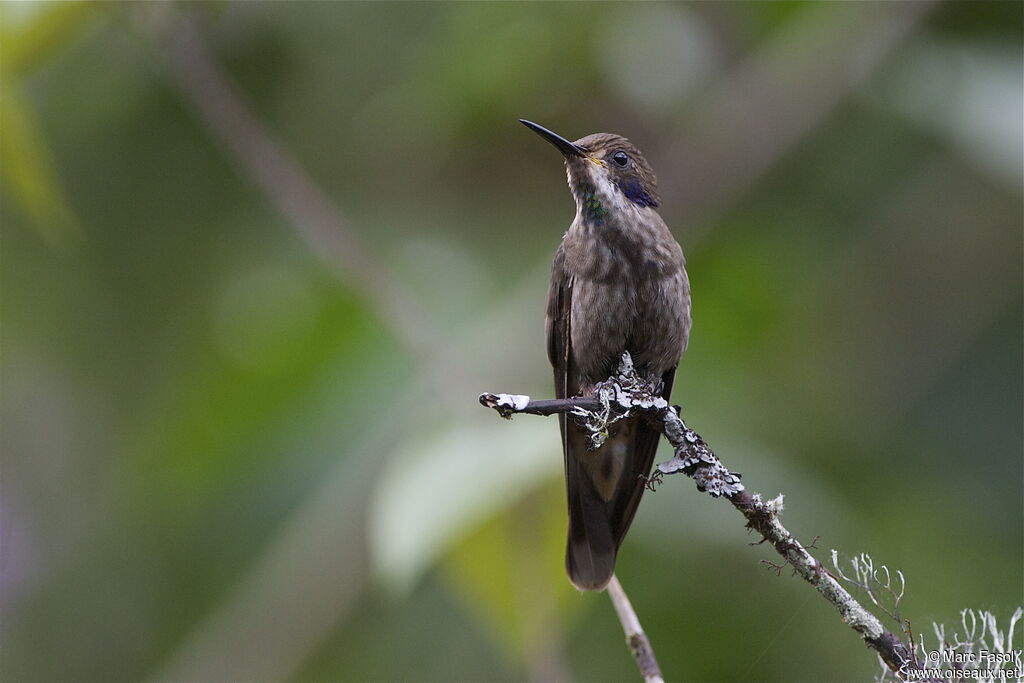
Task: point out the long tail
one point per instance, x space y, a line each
604 488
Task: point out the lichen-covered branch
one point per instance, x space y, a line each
763 517
626 394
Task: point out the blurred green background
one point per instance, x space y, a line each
259 259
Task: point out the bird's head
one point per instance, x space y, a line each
604 166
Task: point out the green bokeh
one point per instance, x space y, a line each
203 414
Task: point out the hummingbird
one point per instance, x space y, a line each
618 283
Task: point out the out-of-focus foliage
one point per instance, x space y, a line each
222 462
30 35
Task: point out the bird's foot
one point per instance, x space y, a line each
633 391
598 422
622 395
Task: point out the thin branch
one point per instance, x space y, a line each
636 639
507 404
229 118
695 459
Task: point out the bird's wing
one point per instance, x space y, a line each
590 548
558 329
556 326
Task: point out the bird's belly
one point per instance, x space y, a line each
650 318
602 320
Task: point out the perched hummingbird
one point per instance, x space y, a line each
618 283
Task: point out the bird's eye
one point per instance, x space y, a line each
620 158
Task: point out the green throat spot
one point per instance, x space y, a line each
593 210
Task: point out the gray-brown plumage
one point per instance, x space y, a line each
618 283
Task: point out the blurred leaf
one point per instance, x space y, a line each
27 170
440 485
967 92
510 572
31 32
